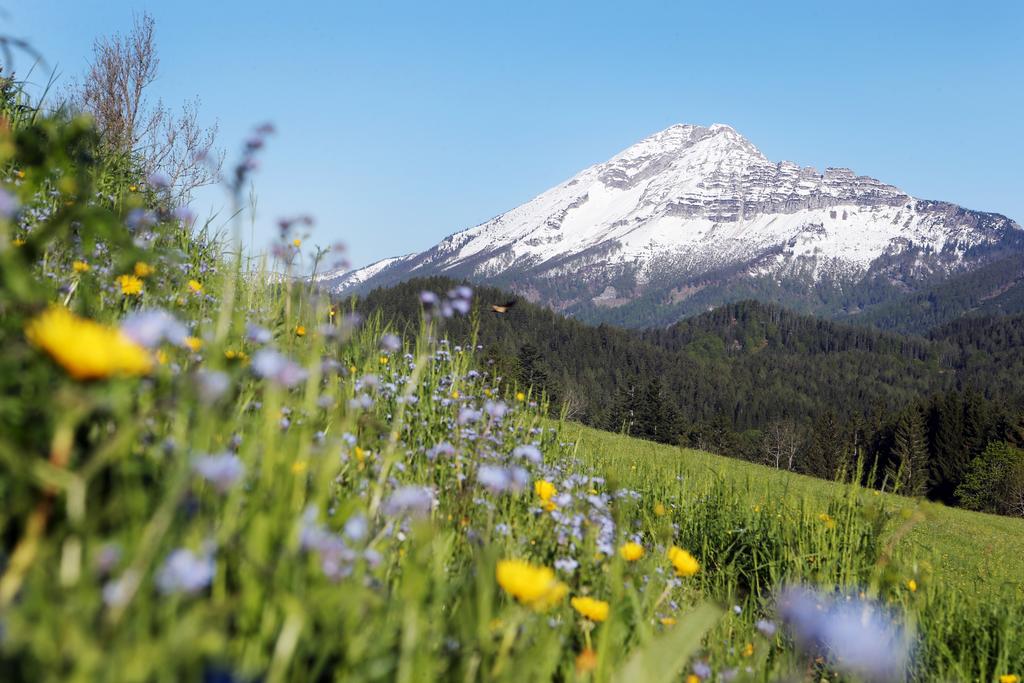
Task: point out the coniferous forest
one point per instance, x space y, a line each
939 414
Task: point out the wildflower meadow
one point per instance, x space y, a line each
209 470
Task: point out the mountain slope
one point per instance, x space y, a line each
695 216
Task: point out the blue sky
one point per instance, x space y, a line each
400 123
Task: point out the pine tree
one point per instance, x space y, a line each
907 472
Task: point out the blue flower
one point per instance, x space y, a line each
222 471
185 572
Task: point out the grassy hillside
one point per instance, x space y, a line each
969 549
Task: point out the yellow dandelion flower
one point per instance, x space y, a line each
827 520
299 466
631 552
591 608
659 509
531 585
196 286
193 343
130 285
685 564
80 267
161 357
236 355
544 489
143 269
693 678
18 242
1009 678
296 243
384 360
549 506
300 330
132 188
748 650
455 393
520 396
912 586
668 621
84 348
360 454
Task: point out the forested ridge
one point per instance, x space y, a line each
760 382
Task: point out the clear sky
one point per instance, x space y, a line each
402 122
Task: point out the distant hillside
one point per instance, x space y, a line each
995 289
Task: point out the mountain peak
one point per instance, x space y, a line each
691 207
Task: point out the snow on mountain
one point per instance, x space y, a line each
692 206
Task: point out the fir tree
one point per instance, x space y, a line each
907 472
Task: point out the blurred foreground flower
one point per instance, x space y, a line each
856 635
631 552
684 563
84 348
185 572
591 608
533 586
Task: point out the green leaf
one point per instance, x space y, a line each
664 657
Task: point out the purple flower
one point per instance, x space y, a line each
139 218
460 306
211 384
496 409
152 327
529 452
767 628
257 334
390 343
428 298
856 634
356 527
443 448
502 479
468 416
185 572
184 214
222 471
159 180
8 203
566 564
278 368
409 500
702 671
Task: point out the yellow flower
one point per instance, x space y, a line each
239 355
300 331
533 586
748 650
455 393
85 348
827 520
520 396
80 267
299 466
18 242
132 188
591 608
195 285
161 357
297 242
912 586
384 360
659 509
545 489
360 454
193 343
693 678
668 621
685 564
143 269
631 552
1009 678
130 285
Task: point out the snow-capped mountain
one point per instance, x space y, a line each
694 216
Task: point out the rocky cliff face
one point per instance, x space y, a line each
693 216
